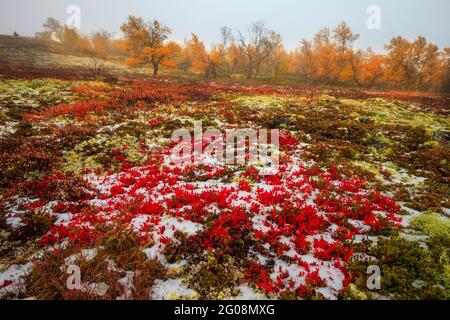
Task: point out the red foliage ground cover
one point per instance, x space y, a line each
303 218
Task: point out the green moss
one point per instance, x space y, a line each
97 153
265 101
215 279
123 246
352 103
397 175
432 144
404 265
20 96
379 141
369 167
326 99
356 294
403 116
432 225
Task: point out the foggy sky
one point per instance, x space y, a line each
294 19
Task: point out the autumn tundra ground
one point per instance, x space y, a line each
87 186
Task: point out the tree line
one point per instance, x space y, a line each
328 58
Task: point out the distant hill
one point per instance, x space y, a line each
30 57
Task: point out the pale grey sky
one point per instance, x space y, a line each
294 19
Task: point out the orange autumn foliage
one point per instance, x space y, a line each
328 58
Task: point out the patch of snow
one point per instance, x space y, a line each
86 254
15 222
98 289
15 274
63 219
127 283
172 289
327 293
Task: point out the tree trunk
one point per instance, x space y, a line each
155 68
258 66
358 83
249 71
214 71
